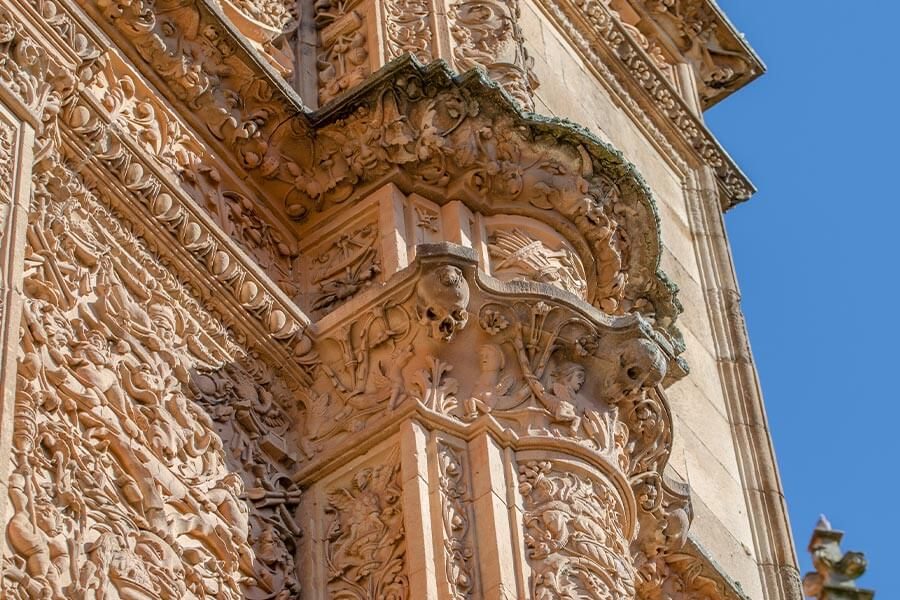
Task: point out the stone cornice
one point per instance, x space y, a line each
700 34
305 162
605 43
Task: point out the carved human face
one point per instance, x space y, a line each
57 329
491 358
164 322
571 377
442 302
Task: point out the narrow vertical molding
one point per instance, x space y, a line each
761 481
16 145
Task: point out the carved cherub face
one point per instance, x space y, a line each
442 299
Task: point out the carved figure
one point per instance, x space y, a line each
366 547
490 387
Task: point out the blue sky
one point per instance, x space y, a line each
816 255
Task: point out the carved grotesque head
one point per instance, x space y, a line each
442 297
641 366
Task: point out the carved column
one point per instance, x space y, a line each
16 141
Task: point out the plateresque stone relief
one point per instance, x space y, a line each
414 345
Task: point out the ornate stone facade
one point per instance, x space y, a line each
404 335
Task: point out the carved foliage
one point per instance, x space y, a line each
408 28
121 483
487 35
574 535
456 507
365 549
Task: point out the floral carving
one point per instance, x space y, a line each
574 531
435 390
459 555
408 28
366 543
487 35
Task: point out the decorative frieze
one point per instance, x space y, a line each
183 429
408 29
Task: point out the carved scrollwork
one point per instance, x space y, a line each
574 532
408 29
487 35
366 544
121 479
459 554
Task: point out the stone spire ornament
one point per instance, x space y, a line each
836 571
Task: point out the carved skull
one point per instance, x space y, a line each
641 366
442 297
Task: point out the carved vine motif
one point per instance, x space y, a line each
408 28
121 482
343 59
459 555
487 35
7 160
574 534
366 545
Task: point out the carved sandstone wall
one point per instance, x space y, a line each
416 344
